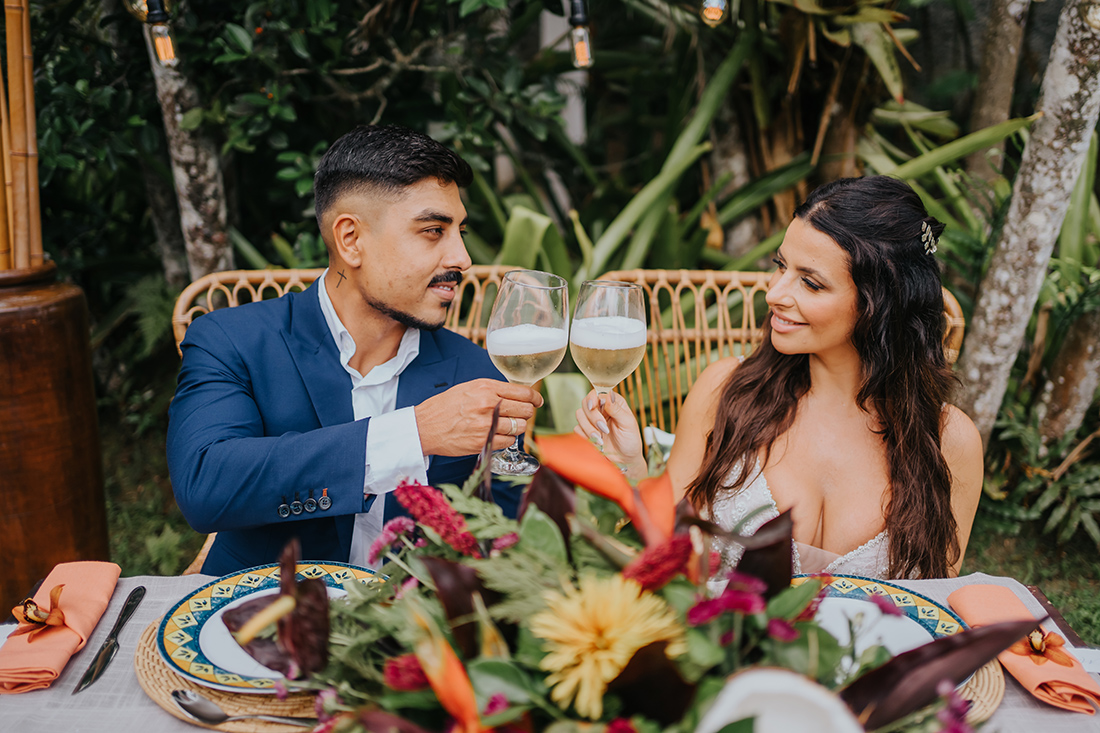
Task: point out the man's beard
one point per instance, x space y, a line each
409 320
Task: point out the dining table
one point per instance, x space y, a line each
116 702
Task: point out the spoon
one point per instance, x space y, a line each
206 711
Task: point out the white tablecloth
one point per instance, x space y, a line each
116 703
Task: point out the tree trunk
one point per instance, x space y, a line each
730 156
1004 34
196 170
161 198
1070 104
1073 383
166 223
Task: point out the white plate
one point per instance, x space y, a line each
195 644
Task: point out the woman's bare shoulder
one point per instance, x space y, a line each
715 375
960 438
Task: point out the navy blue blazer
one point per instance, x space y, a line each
262 418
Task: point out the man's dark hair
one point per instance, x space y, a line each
383 159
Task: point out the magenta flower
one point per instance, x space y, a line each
325 697
430 508
886 606
404 673
953 716
390 533
620 725
281 691
503 543
498 703
742 595
406 586
660 563
781 630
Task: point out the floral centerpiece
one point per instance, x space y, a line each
602 607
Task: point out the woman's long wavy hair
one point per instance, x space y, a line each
878 221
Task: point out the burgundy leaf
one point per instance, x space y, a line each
651 685
908 682
456 585
485 491
377 721
769 556
304 633
554 496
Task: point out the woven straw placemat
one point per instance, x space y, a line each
985 690
158 680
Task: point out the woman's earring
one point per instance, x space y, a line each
927 238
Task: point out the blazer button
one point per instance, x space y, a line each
295 507
284 511
310 505
324 502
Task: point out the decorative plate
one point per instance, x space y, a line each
848 598
195 644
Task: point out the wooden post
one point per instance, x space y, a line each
5 228
34 224
5 164
17 120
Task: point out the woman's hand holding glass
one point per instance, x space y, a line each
608 421
607 340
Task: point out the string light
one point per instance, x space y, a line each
154 13
713 12
579 40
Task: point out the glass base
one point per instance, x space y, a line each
512 462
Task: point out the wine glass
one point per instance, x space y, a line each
526 339
608 336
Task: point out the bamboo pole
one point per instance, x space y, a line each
5 163
5 228
17 119
34 224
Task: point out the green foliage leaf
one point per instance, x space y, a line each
536 530
239 37
192 119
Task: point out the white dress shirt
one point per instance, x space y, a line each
393 450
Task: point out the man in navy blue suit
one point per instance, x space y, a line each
293 415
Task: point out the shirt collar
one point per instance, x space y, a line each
345 344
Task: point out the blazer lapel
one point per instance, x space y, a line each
317 359
427 375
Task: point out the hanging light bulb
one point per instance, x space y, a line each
164 45
713 12
155 14
579 40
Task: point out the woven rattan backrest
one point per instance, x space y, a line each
229 289
700 316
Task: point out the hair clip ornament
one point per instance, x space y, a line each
927 238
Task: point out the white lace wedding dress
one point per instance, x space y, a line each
871 559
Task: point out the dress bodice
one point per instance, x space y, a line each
871 559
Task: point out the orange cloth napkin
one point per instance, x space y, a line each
1054 675
35 664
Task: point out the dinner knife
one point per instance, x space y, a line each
110 645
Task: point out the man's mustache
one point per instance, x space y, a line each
451 276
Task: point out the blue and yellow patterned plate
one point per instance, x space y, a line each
848 598
195 644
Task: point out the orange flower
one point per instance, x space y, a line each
650 505
33 619
1042 647
447 676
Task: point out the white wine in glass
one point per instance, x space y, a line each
526 338
608 335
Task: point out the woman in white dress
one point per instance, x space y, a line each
841 413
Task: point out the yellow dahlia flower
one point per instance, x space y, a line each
592 632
